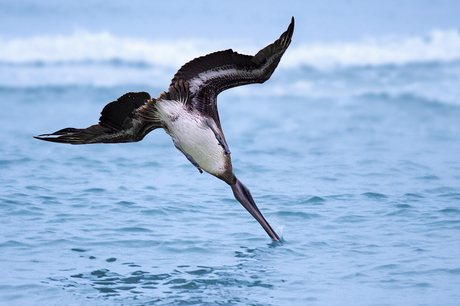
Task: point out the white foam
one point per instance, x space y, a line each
85 46
102 59
437 45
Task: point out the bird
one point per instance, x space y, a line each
188 113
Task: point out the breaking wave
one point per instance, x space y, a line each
84 47
435 46
392 65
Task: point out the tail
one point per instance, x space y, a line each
118 123
178 91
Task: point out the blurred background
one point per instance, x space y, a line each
39 40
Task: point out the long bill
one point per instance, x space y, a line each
243 195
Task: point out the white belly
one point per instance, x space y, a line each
194 136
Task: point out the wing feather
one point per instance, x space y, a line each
211 74
118 123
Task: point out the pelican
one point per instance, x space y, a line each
188 113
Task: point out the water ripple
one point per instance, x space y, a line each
375 195
189 282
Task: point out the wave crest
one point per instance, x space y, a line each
97 47
436 45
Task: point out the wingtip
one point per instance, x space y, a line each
67 135
45 137
290 29
285 38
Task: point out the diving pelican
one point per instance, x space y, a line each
188 113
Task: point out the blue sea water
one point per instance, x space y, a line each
351 151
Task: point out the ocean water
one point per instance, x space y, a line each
351 151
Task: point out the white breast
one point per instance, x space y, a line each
194 135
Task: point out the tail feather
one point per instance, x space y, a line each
148 112
178 91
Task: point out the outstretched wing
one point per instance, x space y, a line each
118 123
211 74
